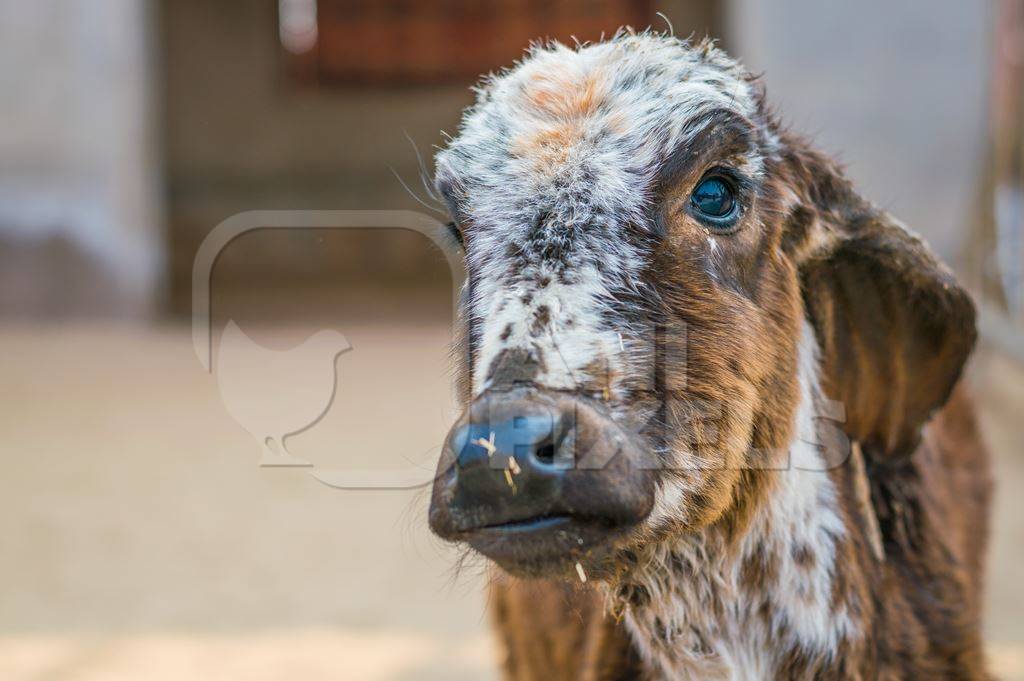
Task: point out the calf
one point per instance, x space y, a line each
712 424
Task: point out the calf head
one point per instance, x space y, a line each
645 247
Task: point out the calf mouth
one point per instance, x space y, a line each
539 483
548 545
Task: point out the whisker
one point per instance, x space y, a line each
415 196
424 173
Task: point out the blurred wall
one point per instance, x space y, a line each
898 90
79 193
241 134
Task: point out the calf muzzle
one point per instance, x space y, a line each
534 479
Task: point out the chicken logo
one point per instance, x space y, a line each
275 393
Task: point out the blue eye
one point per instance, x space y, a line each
714 199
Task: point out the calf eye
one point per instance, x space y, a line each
714 200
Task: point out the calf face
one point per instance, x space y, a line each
643 248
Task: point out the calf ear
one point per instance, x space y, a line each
893 325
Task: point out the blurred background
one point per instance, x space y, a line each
139 536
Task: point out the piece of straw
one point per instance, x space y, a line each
487 444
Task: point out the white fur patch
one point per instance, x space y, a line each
704 623
573 337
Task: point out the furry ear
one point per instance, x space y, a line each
894 326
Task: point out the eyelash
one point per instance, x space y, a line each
455 233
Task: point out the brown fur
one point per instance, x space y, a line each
558 630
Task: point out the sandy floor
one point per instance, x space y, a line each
141 540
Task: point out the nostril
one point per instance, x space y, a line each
545 452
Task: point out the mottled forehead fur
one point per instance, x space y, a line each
578 136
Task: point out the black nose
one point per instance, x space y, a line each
522 457
511 458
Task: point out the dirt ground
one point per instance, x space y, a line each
139 539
